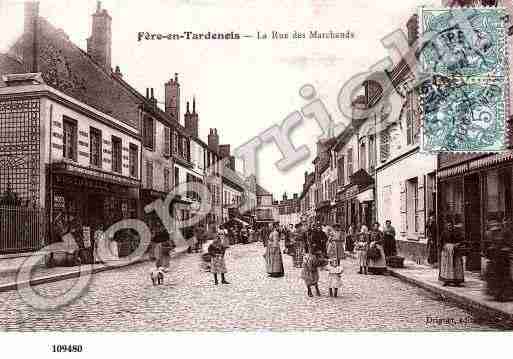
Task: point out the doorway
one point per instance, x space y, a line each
472 197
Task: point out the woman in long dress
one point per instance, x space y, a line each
273 258
217 264
299 246
377 264
451 260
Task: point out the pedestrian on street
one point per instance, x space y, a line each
222 234
335 271
350 238
376 254
310 273
432 247
339 241
299 245
499 282
389 244
273 257
361 247
451 258
318 240
217 262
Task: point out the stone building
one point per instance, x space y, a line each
289 210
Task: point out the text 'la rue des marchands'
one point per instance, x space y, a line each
259 35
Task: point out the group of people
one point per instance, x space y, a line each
325 246
374 247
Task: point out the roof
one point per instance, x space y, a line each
69 69
260 191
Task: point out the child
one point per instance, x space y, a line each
157 275
361 253
310 273
334 273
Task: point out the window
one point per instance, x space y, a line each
149 133
384 145
116 154
412 122
166 180
349 162
95 139
372 153
177 176
412 205
363 156
69 139
133 160
176 142
167 141
149 174
340 171
498 196
180 145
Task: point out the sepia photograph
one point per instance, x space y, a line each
280 172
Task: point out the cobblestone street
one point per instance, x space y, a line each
125 300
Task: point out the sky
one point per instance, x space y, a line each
242 87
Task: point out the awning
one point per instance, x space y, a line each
366 196
241 221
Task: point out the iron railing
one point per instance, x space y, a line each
22 229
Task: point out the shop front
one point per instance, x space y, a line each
83 200
355 202
476 196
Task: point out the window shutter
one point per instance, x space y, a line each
403 208
167 141
421 205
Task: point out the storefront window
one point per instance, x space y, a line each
498 196
451 203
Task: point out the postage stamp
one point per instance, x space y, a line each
464 97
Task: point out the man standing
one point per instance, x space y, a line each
432 247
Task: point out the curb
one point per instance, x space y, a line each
76 273
504 317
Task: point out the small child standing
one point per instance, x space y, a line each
335 271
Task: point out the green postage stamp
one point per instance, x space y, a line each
463 65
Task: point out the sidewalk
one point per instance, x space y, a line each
470 295
41 275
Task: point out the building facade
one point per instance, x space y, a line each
289 210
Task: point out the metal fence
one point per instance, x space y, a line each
22 229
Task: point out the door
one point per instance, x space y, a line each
472 197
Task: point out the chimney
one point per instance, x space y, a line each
295 195
224 151
30 35
99 44
285 196
118 72
191 120
412 26
213 140
152 98
172 98
148 93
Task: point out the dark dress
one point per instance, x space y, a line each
318 241
499 283
432 246
389 245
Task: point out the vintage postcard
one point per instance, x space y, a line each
253 167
